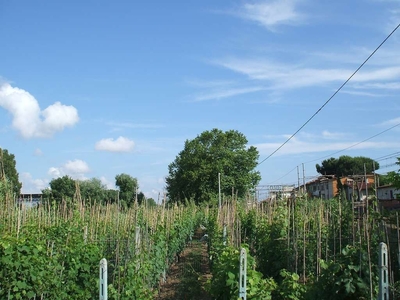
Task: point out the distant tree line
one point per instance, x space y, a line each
346 166
214 160
9 177
94 191
63 188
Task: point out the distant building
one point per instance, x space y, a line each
388 192
276 192
29 200
389 197
327 186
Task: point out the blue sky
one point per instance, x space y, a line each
98 88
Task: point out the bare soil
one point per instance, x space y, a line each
187 277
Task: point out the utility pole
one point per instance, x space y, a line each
2 172
136 196
376 188
366 188
219 190
298 180
304 180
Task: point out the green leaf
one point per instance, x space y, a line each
231 275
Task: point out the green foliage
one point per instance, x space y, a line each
225 262
346 165
346 278
4 190
61 188
133 281
93 190
140 276
150 202
194 173
395 290
248 226
271 236
59 258
289 288
224 284
8 166
55 267
127 188
394 177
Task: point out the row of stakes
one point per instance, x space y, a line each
383 293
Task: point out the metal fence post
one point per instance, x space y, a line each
242 274
383 273
103 280
137 247
137 240
224 236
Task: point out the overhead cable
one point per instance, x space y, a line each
333 95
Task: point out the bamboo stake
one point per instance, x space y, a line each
304 249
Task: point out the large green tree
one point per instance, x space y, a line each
93 190
61 188
393 177
346 165
8 171
128 186
194 173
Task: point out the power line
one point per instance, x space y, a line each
330 98
387 156
387 166
391 155
284 175
356 144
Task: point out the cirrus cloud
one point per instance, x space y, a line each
121 144
29 120
270 14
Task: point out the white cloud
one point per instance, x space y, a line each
38 152
117 126
55 172
220 89
388 73
107 183
383 86
271 13
281 76
74 168
225 93
31 185
391 122
29 120
332 135
296 146
121 144
358 93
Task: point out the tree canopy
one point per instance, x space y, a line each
61 188
8 170
128 186
91 190
346 165
394 177
194 172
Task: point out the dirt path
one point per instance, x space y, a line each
187 277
